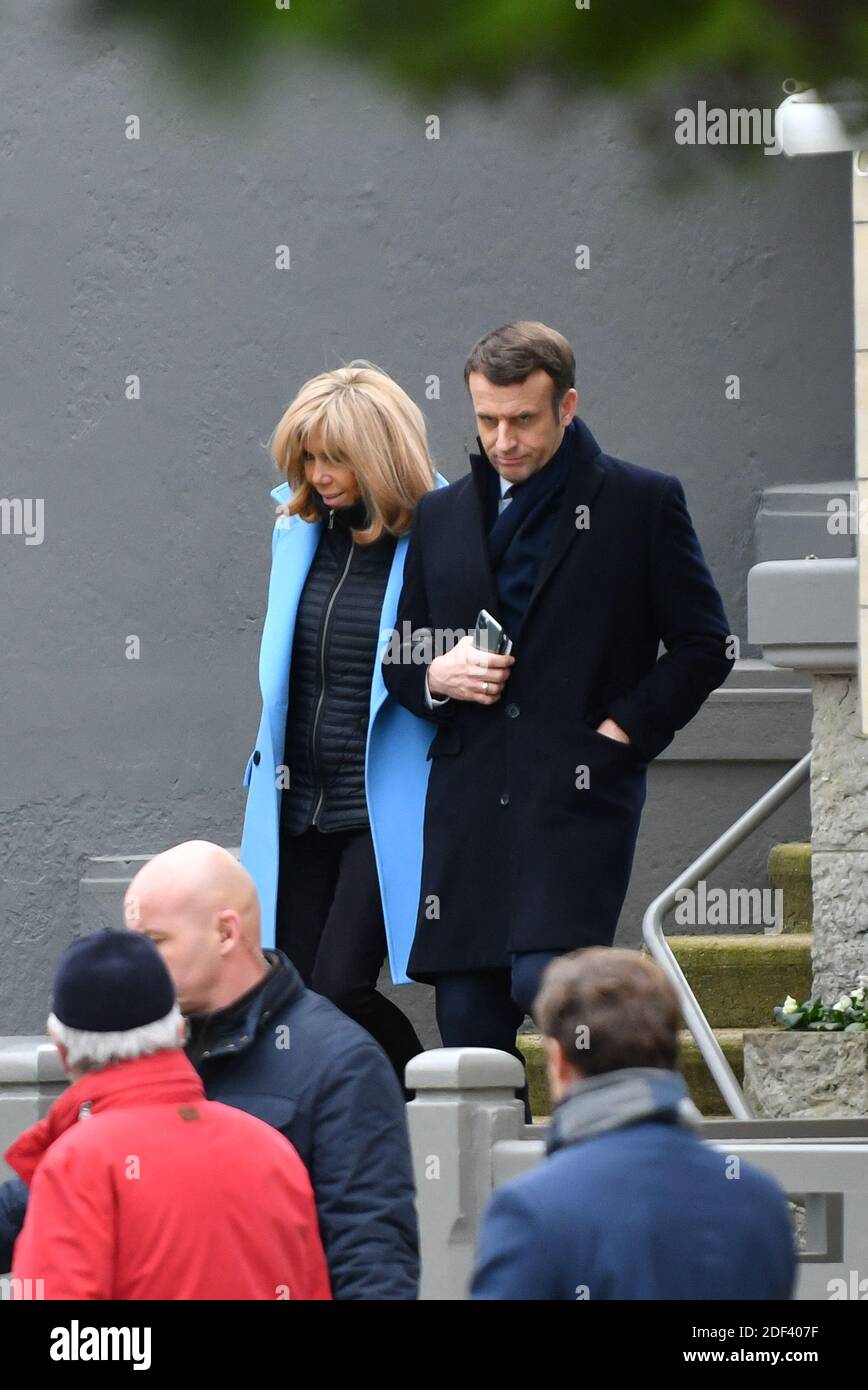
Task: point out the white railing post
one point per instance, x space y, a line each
465 1102
31 1077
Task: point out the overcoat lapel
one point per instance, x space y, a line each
573 528
469 540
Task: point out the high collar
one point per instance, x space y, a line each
231 1030
585 475
617 1099
159 1079
578 445
354 517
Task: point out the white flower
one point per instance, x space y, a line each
858 995
789 1005
842 1005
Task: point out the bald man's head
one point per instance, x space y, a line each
199 906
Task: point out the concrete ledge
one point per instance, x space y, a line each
31 1078
464 1068
804 613
793 521
798 1074
29 1059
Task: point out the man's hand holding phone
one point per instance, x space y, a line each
469 672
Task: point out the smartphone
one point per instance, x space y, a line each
490 636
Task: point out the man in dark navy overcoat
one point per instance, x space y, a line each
539 760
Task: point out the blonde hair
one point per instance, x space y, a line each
369 424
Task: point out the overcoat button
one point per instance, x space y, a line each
512 711
504 798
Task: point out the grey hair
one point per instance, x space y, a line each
91 1051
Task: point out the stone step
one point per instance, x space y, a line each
738 980
789 869
703 1090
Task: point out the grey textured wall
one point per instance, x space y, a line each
156 257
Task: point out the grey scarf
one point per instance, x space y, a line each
620 1098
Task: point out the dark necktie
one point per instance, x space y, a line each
505 499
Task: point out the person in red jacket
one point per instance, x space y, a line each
140 1188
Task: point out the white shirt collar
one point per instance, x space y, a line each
504 484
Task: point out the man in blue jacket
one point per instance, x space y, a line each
263 1042
629 1203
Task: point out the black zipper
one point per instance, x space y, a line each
322 645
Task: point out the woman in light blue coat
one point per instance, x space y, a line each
337 780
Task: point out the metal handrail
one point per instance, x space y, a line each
655 937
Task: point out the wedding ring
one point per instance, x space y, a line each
485 687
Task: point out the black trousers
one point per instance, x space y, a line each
485 1008
329 922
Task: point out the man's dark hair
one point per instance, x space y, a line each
610 1009
509 354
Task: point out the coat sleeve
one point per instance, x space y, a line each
689 620
362 1176
513 1257
315 1283
13 1205
403 677
68 1234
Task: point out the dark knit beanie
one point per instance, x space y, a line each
111 981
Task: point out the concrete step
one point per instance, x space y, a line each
789 869
702 1088
738 980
